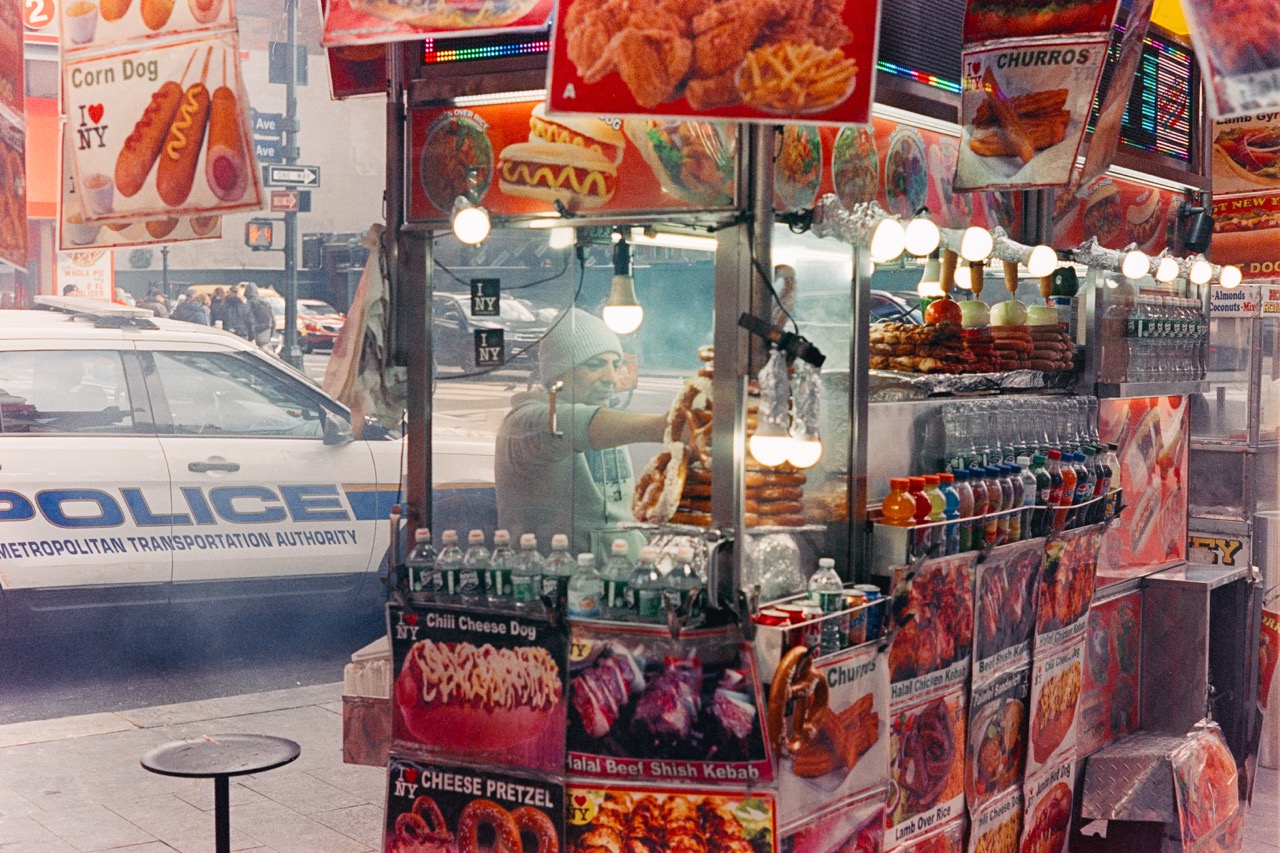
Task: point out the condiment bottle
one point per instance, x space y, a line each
946 485
924 508
981 506
965 527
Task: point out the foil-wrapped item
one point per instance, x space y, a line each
848 225
889 385
775 392
807 395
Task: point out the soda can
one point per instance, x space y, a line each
811 628
875 612
854 599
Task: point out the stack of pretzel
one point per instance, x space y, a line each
675 487
932 348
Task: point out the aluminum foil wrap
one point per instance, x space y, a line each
807 394
848 225
892 385
775 391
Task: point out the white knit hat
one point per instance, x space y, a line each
578 337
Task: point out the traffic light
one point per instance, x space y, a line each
257 234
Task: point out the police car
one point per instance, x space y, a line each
147 461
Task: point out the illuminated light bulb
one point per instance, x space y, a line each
1042 261
562 237
770 444
922 235
1230 277
804 452
962 278
470 222
1166 270
887 241
622 312
1135 264
976 244
1201 271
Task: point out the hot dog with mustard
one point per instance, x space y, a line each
142 146
177 170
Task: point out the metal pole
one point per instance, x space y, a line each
290 350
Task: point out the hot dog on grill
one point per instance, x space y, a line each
225 166
141 147
181 150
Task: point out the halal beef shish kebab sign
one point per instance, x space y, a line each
766 61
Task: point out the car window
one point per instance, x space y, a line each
222 394
319 309
80 392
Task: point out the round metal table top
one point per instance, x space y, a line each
221 755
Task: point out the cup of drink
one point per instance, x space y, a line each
79 232
82 21
99 192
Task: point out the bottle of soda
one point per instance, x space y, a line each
683 589
557 571
946 485
616 575
475 565
448 568
937 513
1013 473
1029 490
1102 482
1086 480
1114 482
586 589
898 508
645 587
526 575
1044 495
497 582
827 591
1057 480
924 508
420 566
981 506
965 526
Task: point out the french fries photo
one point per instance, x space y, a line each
790 78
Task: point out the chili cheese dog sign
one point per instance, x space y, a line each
161 133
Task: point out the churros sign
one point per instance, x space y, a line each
770 61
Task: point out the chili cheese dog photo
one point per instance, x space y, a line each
226 166
177 170
142 146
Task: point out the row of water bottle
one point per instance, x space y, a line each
1168 338
526 580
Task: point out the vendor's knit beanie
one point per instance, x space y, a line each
578 337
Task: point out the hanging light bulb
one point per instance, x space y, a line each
622 312
976 244
1230 277
1166 269
1135 264
771 442
962 278
470 221
1042 261
887 241
1201 271
806 446
930 286
562 237
922 234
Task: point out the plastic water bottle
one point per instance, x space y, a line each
526 574
557 571
616 575
586 589
420 566
475 565
448 568
827 591
1029 490
645 587
497 582
683 589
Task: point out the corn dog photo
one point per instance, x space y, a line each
114 10
142 147
155 13
205 11
177 170
225 165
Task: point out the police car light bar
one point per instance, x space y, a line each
102 313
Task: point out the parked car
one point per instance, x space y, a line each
318 324
454 339
153 462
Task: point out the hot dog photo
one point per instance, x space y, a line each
161 134
91 25
436 808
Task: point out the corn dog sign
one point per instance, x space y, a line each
160 134
1023 112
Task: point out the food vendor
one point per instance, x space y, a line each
578 481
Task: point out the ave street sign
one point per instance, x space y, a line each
293 176
268 125
284 201
268 151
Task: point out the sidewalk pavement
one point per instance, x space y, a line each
75 785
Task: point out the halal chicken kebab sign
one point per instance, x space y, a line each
747 60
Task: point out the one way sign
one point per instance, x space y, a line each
293 176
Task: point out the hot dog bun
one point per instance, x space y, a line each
181 150
225 165
578 177
155 13
205 11
590 133
141 147
113 10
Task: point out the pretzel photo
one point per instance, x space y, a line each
802 691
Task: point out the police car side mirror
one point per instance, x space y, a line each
337 430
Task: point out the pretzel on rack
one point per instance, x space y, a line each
658 490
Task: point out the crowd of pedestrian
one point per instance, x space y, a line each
240 309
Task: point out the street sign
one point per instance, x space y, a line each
268 125
267 151
257 234
293 176
284 201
